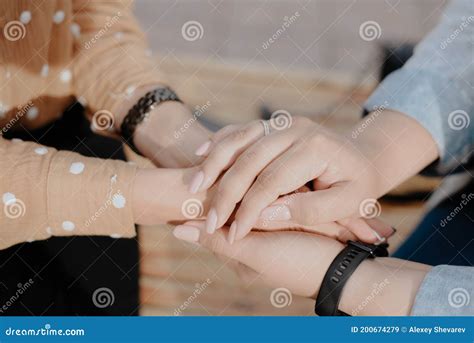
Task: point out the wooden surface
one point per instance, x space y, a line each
172 270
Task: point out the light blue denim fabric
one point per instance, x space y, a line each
436 88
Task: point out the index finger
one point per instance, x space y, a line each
282 176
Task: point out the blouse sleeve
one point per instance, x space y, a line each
47 193
111 56
435 87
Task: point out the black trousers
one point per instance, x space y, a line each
66 271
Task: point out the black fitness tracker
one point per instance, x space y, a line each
345 263
141 110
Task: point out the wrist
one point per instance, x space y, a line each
171 135
158 196
384 286
397 146
128 102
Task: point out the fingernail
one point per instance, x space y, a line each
196 182
276 212
232 232
211 221
186 233
203 149
380 239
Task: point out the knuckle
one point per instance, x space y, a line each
238 135
224 192
265 180
224 131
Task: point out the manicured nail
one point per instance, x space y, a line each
186 233
203 148
380 239
211 221
196 182
276 212
232 232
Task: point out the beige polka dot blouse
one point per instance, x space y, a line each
52 53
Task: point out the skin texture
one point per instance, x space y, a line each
298 261
345 171
159 194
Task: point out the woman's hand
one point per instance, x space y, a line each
161 196
294 260
298 262
348 174
170 134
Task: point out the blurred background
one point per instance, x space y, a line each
238 60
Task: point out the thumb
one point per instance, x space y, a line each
311 208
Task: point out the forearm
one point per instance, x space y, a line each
396 145
384 286
170 135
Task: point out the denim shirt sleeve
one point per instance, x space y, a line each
436 86
446 291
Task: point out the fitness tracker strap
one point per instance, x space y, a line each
141 110
340 270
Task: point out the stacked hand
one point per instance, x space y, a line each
260 171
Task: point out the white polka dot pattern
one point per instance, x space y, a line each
58 17
68 226
32 113
25 17
44 70
76 168
41 151
75 30
65 75
8 198
118 200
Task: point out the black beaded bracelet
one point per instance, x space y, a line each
141 110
